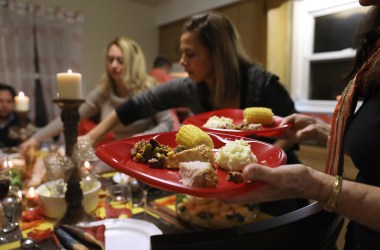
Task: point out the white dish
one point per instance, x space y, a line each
127 233
120 178
55 207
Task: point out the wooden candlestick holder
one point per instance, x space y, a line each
22 131
75 212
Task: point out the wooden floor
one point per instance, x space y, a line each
315 157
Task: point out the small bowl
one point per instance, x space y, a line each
55 207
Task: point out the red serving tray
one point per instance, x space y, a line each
117 155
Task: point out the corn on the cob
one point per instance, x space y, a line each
258 115
191 136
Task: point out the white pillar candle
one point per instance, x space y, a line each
69 85
21 102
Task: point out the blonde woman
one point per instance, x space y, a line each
125 77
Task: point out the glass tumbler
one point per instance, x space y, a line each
118 201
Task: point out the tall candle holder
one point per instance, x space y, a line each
24 129
75 212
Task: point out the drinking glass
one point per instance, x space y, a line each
12 206
5 182
145 189
137 192
118 201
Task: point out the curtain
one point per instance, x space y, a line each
59 38
37 43
16 42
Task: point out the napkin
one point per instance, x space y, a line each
80 238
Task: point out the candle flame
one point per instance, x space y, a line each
69 71
31 192
87 165
21 94
19 194
7 164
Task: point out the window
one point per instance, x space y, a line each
324 47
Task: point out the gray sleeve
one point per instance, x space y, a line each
55 127
174 94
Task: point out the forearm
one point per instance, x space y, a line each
360 203
104 127
52 129
356 201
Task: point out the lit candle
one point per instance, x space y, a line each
32 198
19 194
87 167
69 85
7 166
21 102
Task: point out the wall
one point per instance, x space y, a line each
279 16
264 27
249 19
106 19
174 10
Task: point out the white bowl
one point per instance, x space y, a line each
55 207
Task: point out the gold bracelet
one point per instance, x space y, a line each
330 204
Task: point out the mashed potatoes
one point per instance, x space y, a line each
235 155
218 122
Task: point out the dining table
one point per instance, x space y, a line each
160 211
273 226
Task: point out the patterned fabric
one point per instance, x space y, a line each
343 112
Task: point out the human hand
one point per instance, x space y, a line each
23 148
304 127
86 139
283 182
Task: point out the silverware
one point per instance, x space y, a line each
10 227
27 243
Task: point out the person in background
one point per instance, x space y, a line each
356 133
220 76
161 69
124 78
8 117
161 72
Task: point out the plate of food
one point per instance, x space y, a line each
254 121
191 161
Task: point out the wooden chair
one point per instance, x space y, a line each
307 228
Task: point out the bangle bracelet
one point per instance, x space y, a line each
330 204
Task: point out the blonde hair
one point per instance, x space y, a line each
217 33
135 76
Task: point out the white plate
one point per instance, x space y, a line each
127 233
120 178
